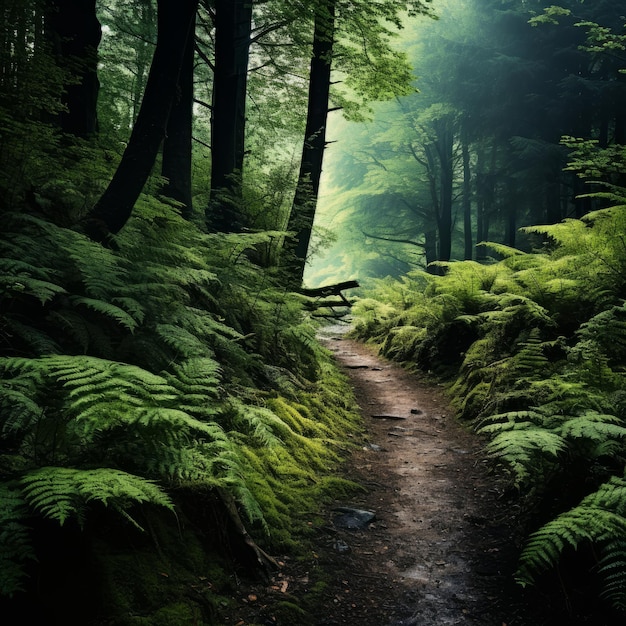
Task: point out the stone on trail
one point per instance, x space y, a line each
353 519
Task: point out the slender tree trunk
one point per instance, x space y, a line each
467 203
144 51
430 249
485 196
176 162
307 189
444 150
233 27
115 206
510 226
74 32
553 202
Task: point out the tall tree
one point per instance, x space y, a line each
307 189
176 160
233 27
357 34
111 212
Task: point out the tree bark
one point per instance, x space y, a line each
307 189
115 206
233 27
74 31
467 203
444 152
430 248
510 216
176 161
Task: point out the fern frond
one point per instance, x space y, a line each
612 568
599 518
260 423
593 426
41 290
181 341
61 492
18 409
107 309
522 450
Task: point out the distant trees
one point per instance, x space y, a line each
515 80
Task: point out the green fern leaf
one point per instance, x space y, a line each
593 426
60 492
107 309
599 518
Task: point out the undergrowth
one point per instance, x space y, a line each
136 376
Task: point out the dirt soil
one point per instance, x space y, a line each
439 549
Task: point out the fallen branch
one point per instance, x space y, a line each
330 290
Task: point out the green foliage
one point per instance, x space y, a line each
600 518
15 545
170 363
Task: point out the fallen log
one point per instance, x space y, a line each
329 302
330 290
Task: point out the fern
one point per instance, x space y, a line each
155 367
526 450
600 518
594 427
61 492
107 309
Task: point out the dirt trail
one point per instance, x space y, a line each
439 550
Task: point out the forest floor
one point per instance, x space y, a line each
440 547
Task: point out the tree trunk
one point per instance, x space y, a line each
307 188
485 195
553 202
176 162
74 32
510 226
467 203
430 249
444 151
233 27
115 206
144 51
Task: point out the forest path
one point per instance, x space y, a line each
439 550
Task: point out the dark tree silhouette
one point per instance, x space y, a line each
111 212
